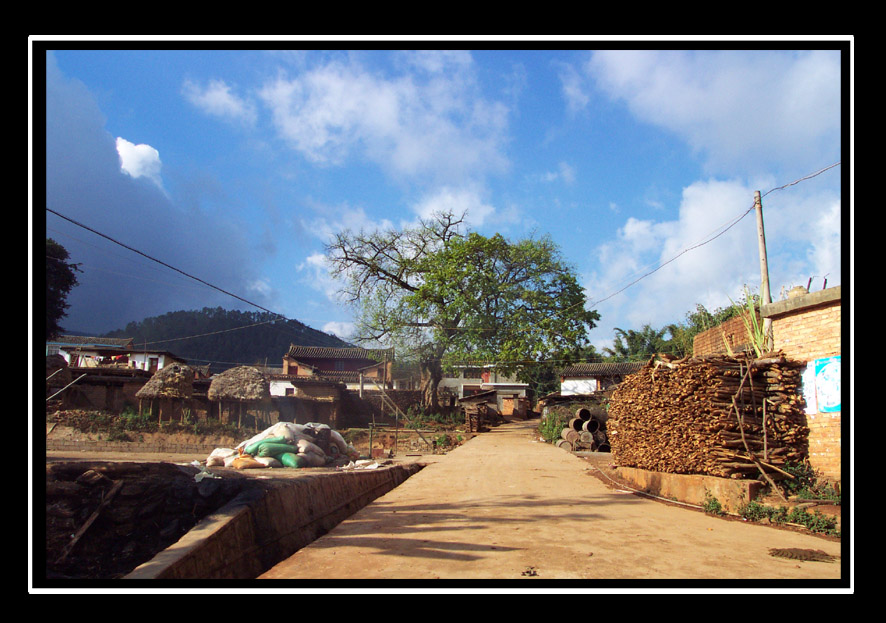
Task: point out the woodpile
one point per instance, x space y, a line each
480 411
734 417
476 415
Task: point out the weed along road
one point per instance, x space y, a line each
505 506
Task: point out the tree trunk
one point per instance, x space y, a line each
431 375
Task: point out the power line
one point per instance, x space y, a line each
125 246
162 263
712 238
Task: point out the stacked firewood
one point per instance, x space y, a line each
476 417
734 417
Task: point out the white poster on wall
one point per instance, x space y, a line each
809 388
827 384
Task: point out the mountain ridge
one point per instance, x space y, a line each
224 338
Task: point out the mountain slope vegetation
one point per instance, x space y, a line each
224 338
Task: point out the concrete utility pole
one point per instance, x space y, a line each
765 294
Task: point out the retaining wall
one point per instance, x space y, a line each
693 488
87 446
258 529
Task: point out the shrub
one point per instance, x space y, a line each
815 521
807 484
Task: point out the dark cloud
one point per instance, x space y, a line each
84 182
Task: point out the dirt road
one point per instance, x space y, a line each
505 507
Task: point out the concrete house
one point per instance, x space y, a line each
510 394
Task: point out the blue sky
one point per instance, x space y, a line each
236 165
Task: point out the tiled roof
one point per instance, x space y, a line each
326 352
602 369
83 340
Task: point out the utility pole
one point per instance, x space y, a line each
765 295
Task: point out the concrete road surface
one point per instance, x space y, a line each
506 507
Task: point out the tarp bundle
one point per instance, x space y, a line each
287 444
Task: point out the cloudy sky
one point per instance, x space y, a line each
236 164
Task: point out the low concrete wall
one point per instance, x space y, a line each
258 529
692 488
88 446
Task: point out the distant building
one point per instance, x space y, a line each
468 381
351 366
587 378
90 352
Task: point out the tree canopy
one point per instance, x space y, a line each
61 277
445 294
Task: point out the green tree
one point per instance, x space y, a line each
636 345
444 294
61 277
683 334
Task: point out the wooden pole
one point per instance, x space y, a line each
765 294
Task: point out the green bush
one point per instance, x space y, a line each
712 505
815 521
807 484
552 426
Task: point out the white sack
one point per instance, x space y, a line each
268 461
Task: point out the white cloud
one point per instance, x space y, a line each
344 330
315 271
565 172
140 161
825 254
740 109
458 201
260 286
426 124
217 99
574 91
690 273
347 218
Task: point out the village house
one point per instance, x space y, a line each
509 396
588 378
91 352
356 368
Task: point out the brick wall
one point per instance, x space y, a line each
713 341
811 333
808 328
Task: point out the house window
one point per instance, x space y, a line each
339 366
290 391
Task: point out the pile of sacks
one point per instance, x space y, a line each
287 444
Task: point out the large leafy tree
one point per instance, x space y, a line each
61 277
445 294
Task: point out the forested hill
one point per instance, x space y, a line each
224 338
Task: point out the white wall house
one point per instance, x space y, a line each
571 387
587 378
87 352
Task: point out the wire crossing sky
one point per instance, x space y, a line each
237 163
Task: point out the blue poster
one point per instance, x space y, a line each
827 384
